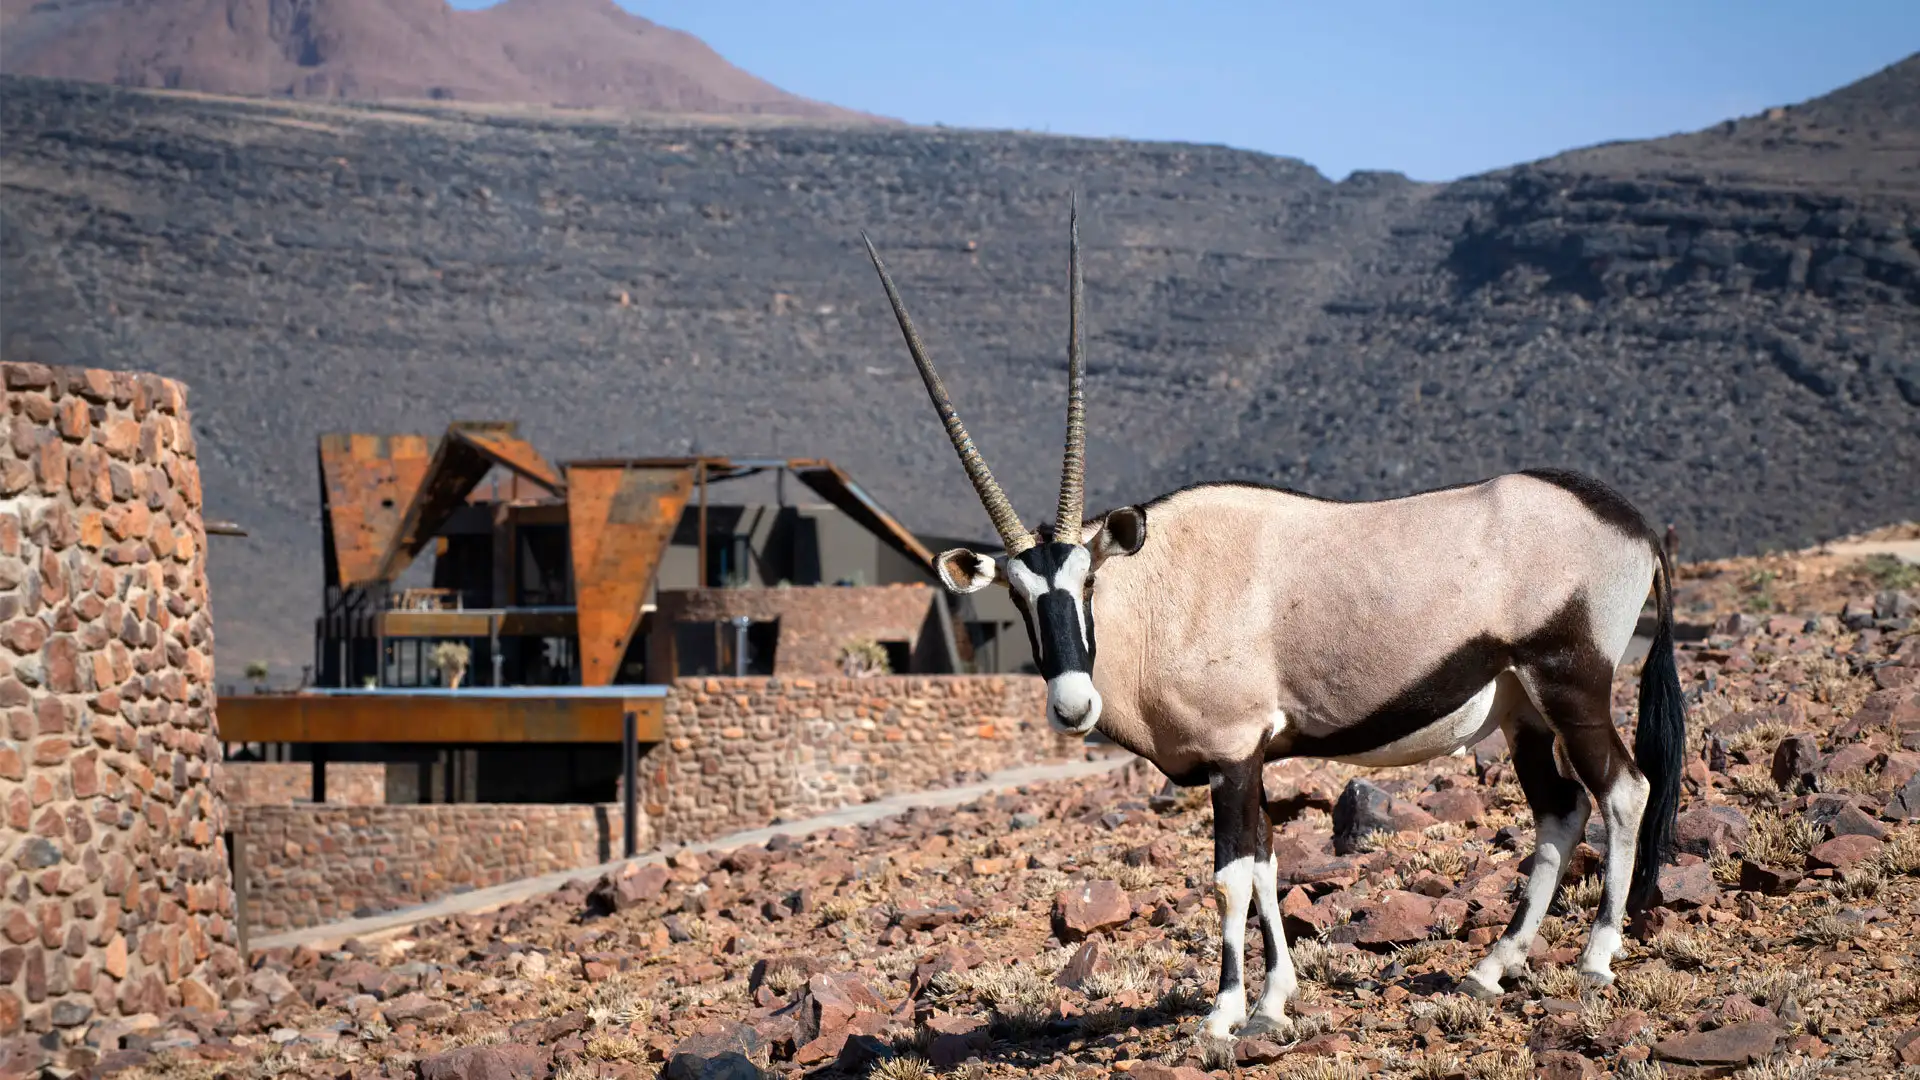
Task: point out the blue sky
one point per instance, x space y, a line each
1437 90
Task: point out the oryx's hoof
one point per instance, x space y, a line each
1218 1026
1472 986
1595 980
1263 1024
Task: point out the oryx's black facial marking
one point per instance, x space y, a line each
1052 585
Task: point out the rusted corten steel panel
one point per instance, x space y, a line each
620 519
463 458
838 488
434 718
366 482
514 453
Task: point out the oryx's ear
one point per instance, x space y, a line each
963 570
1121 532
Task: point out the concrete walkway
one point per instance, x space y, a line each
1904 550
498 896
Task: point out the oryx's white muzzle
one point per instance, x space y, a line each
1073 705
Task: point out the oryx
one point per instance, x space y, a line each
1239 624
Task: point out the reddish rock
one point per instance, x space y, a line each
1842 852
1091 957
1681 887
1854 757
1257 1052
1395 917
1163 852
1796 761
1770 880
1089 909
629 889
1906 1046
830 1003
487 1063
1154 1070
1900 767
1303 863
1735 1044
1710 830
1455 804
1564 1065
722 1051
1853 821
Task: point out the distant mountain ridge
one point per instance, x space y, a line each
569 53
1724 324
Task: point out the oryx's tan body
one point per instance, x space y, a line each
1307 615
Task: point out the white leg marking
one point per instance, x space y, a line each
1233 887
1270 1014
1622 810
1555 840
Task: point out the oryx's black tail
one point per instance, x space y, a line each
1659 741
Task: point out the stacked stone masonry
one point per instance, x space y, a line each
738 754
309 864
278 783
115 894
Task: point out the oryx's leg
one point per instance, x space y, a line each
1579 715
1560 809
1241 843
1270 1013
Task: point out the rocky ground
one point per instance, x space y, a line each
1070 929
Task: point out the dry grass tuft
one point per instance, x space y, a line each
1900 856
1503 1065
1556 981
1758 741
1863 882
1436 1065
1449 862
1771 985
1685 950
1780 842
903 1068
1783 1068
1330 965
1022 997
1657 989
1337 1067
1583 895
1854 781
1454 1013
1828 930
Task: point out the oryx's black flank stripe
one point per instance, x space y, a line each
1564 646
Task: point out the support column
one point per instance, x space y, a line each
630 777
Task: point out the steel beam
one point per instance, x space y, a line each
462 717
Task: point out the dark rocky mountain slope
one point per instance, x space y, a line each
1723 324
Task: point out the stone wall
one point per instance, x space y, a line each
309 865
278 783
114 876
815 621
740 752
